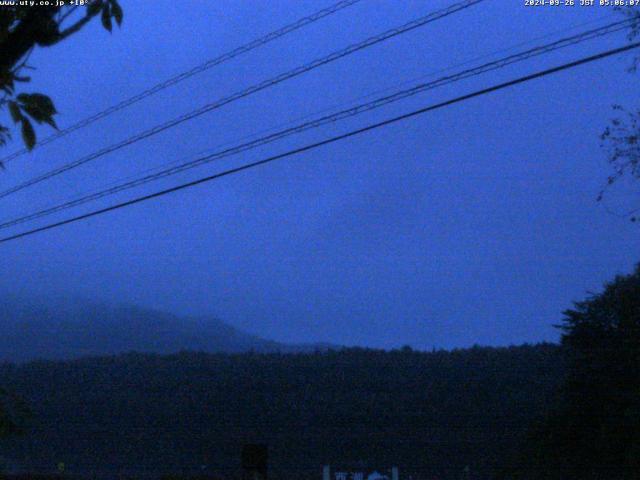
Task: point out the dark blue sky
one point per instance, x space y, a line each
473 224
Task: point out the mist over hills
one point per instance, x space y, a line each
68 329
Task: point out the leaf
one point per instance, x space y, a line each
94 8
106 17
28 134
14 109
5 135
38 100
51 122
7 83
116 11
39 107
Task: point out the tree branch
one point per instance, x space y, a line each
76 27
34 28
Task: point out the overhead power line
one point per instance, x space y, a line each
312 146
407 27
318 122
302 22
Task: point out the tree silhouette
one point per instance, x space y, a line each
621 137
23 28
603 389
595 431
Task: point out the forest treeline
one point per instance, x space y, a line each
593 433
435 414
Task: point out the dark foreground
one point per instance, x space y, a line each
444 415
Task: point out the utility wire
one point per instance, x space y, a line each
330 140
341 115
302 22
412 25
371 94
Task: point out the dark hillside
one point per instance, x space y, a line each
61 330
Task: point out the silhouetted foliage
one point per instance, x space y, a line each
622 141
432 414
634 29
22 28
595 432
620 138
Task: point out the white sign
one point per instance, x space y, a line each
329 473
359 475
